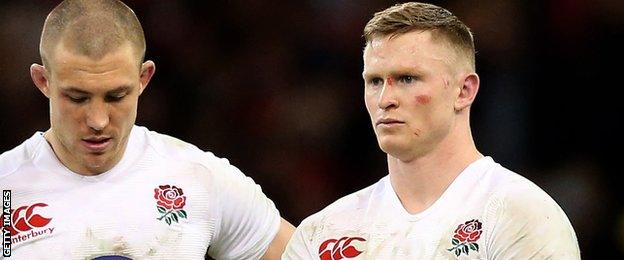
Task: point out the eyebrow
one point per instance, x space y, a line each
120 90
114 91
367 74
396 73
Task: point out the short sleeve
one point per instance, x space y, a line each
528 224
247 220
298 247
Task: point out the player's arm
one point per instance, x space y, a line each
277 246
248 226
298 247
528 224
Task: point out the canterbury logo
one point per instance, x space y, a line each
25 219
335 249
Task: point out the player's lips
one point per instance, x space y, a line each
96 144
388 122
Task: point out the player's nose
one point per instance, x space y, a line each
98 116
388 97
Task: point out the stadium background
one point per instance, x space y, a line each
275 87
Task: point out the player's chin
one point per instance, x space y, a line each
391 144
97 163
99 157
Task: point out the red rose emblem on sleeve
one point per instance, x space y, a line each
170 201
466 235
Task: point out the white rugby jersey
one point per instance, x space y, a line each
488 212
165 199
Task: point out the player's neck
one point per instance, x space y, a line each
421 181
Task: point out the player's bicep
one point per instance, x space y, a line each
277 246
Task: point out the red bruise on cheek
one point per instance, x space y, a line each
423 99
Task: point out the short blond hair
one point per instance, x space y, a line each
92 28
403 18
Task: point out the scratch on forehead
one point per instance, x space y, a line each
375 42
439 56
375 46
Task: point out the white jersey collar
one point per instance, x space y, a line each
392 198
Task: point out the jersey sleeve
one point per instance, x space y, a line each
299 247
248 220
528 224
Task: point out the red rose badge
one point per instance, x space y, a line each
465 237
170 202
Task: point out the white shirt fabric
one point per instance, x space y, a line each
68 216
488 212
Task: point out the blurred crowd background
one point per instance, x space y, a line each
275 87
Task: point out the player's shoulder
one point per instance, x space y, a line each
174 149
505 184
12 160
513 195
342 209
518 210
163 143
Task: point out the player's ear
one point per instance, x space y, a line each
468 91
40 78
147 71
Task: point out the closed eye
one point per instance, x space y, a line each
115 98
77 100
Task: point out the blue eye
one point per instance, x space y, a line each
376 81
407 79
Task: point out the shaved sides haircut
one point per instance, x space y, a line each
92 28
407 17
